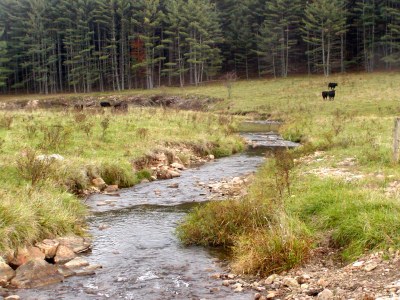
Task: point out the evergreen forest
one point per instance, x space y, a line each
57 46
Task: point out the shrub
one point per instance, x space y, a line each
32 168
117 173
273 249
55 137
218 223
6 121
36 216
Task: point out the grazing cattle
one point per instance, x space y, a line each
105 104
325 95
122 106
331 95
332 85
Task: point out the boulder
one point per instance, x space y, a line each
64 254
76 243
88 270
111 189
99 183
291 282
173 174
178 166
36 273
325 295
48 247
6 273
26 254
77 263
65 271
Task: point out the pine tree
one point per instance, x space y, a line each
324 28
367 13
237 21
279 33
4 71
391 39
147 20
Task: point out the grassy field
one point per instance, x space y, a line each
37 196
346 195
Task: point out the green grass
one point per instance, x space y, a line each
356 217
37 197
271 229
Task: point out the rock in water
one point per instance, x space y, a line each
36 273
48 247
6 273
64 255
76 243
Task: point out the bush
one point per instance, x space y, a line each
38 215
272 250
219 223
118 173
32 168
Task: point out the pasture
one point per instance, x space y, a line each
341 185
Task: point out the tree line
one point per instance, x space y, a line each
52 46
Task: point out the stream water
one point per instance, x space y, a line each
140 254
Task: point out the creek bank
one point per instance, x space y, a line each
159 165
374 276
48 262
189 102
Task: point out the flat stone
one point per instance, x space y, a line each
13 297
76 263
111 189
358 264
173 186
36 273
64 254
174 174
371 266
89 270
178 166
76 243
65 271
48 247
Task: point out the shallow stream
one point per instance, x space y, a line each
135 243
139 252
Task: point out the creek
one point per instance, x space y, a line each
134 241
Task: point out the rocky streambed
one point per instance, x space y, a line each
134 240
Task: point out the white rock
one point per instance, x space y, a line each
325 295
358 264
371 266
271 279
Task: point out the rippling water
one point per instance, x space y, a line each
140 255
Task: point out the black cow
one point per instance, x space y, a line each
105 104
325 95
332 85
331 95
